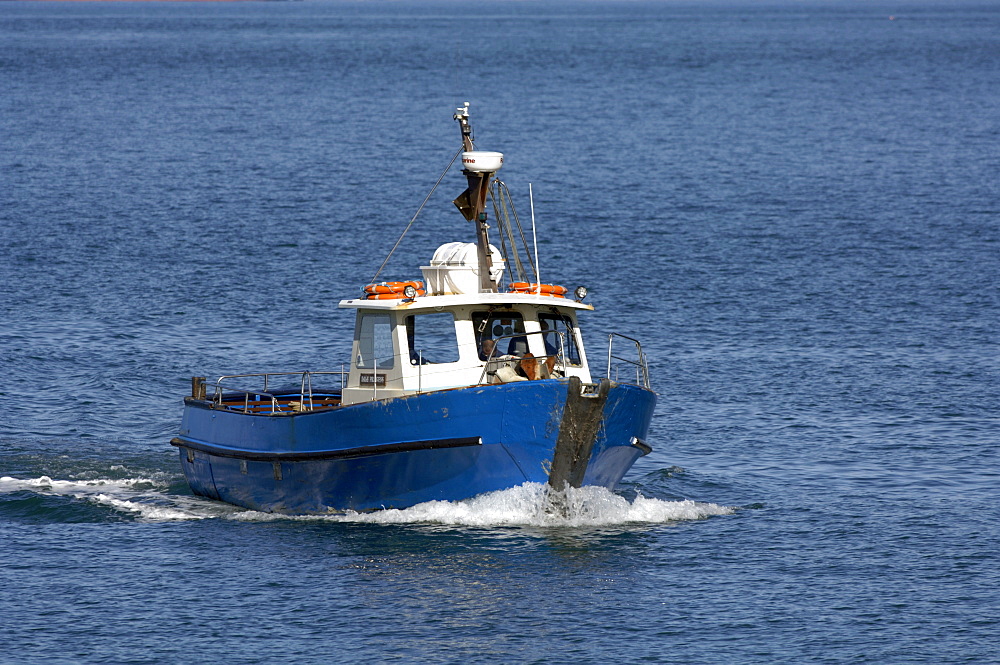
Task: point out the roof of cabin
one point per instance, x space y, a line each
463 300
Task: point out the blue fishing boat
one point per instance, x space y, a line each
462 382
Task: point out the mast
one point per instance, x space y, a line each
472 202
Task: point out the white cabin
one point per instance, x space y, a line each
456 337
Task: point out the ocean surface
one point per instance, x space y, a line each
795 205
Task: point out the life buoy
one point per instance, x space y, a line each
391 296
553 290
392 287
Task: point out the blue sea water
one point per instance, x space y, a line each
795 205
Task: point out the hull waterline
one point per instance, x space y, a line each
395 453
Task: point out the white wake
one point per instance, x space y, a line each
529 505
525 505
140 497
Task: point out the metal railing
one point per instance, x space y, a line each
305 388
638 363
254 398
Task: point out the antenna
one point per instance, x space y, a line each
534 239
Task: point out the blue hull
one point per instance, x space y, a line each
395 453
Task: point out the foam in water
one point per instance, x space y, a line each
526 505
142 497
529 505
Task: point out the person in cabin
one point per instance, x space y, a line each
499 368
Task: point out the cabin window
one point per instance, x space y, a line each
431 338
502 330
375 342
560 326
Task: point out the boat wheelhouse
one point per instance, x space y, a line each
456 341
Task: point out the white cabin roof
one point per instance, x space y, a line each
487 299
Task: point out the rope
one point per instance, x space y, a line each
414 218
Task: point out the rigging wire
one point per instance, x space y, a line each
520 231
502 226
503 207
414 218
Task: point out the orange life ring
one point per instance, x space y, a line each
545 289
391 296
392 287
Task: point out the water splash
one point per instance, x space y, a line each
150 499
529 505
